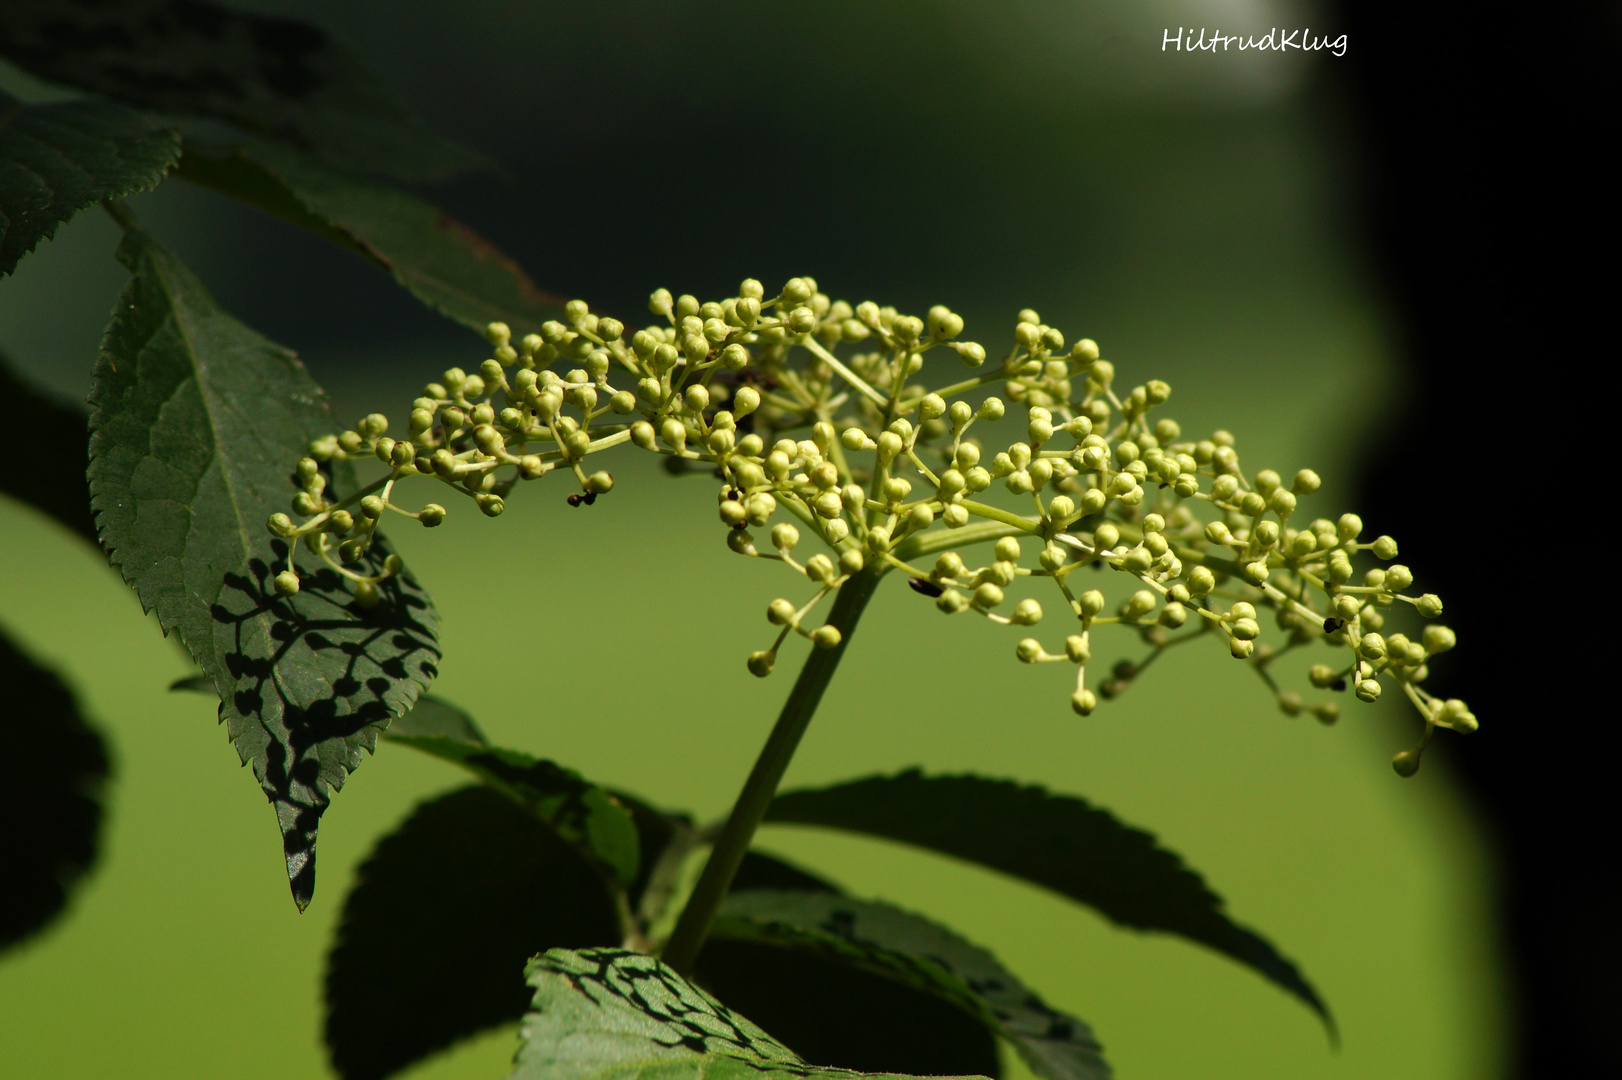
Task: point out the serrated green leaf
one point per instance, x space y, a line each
55 160
1060 842
608 1014
439 260
52 771
55 433
196 422
276 77
924 956
444 913
585 816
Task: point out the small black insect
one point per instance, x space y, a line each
1339 686
1331 624
928 588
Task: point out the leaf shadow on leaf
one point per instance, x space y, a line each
260 632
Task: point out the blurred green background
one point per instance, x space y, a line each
1190 213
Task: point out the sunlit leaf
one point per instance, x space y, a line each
196 422
608 1014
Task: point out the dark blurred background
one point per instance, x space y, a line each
1481 185
1354 258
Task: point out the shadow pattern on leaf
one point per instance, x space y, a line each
313 679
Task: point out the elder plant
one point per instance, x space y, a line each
849 443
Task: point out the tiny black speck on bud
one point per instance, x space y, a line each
919 585
1331 624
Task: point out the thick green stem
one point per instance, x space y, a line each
756 796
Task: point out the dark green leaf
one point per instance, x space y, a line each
55 433
607 1014
442 262
586 816
276 77
443 915
924 956
830 1012
55 160
1060 842
196 424
52 771
433 717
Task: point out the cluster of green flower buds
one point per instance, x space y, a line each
883 472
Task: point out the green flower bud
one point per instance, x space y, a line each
1385 548
351 550
796 291
490 505
1368 690
1240 648
1173 615
1019 482
971 353
1077 649
1028 650
739 541
600 483
1281 502
785 536
920 517
1028 335
1138 561
1200 581
943 324
1245 629
1321 675
931 405
1061 508
802 320
1326 713
622 402
1371 647
819 568
281 525
287 583
1306 482
952 602
1398 578
1349 527
1084 702
851 561
1178 593
340 522
674 433
1439 639
1456 715
826 636
366 594
1289 703
1026 613
988 595
1092 602
1256 572
991 408
955 516
780 612
761 663
733 514
1406 763
1429 605
828 504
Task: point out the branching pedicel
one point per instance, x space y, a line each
1122 492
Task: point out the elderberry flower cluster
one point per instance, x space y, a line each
883 473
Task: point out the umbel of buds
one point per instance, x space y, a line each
818 421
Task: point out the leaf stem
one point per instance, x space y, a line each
694 924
